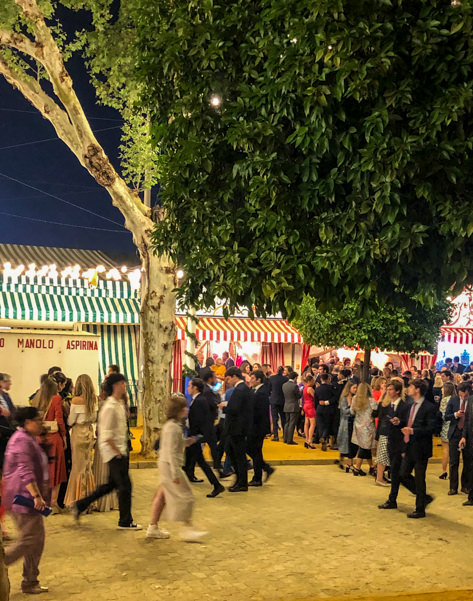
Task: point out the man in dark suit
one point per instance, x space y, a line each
455 414
276 400
457 367
418 445
292 409
398 415
260 428
466 445
200 423
213 399
238 422
325 403
7 409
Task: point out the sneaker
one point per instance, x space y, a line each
156 532
189 535
131 527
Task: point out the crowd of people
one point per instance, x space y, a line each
70 448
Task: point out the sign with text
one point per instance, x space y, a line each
26 355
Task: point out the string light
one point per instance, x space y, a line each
215 100
180 274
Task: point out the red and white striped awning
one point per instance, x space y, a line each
240 329
457 335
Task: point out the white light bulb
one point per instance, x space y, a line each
215 100
180 274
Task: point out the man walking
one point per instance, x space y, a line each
418 446
113 444
455 414
276 400
201 423
292 395
261 427
238 420
325 407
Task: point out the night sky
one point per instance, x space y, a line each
50 167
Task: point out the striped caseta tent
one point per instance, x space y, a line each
111 309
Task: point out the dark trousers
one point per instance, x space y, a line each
290 426
395 459
276 412
415 484
324 422
255 451
236 448
194 456
454 462
118 480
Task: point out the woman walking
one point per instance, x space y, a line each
25 467
48 401
309 410
363 427
384 414
448 392
346 448
174 493
82 416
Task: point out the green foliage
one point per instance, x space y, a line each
339 163
388 328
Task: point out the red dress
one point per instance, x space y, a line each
57 466
309 407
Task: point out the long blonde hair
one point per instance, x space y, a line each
362 398
377 382
85 389
44 395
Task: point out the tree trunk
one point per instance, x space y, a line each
158 332
365 376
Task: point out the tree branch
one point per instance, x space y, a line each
20 42
85 145
50 110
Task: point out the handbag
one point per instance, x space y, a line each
50 425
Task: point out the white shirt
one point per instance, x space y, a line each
112 426
258 387
396 403
417 407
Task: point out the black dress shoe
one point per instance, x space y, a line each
216 491
194 479
293 443
269 472
465 490
452 492
275 439
255 483
415 515
468 502
388 505
223 474
428 499
238 488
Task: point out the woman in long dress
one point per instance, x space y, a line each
174 493
100 471
48 401
82 416
364 429
346 448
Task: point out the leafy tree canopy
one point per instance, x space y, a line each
393 329
312 147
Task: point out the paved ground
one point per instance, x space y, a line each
312 532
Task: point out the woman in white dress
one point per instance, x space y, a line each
82 417
174 493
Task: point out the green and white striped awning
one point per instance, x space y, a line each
64 307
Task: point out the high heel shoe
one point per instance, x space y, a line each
443 476
358 472
306 445
348 469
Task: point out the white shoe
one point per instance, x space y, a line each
381 483
156 532
131 527
189 535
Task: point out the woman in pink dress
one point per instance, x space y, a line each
309 410
49 404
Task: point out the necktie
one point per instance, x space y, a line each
410 422
461 421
